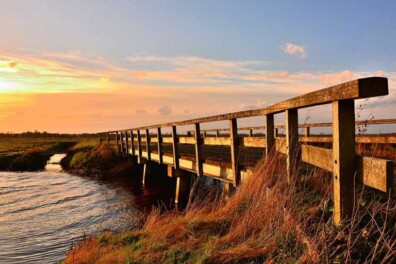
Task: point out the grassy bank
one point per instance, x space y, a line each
266 221
31 152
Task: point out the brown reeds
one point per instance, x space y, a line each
267 220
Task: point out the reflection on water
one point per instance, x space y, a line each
54 163
42 213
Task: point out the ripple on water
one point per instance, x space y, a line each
43 213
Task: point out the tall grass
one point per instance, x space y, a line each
267 220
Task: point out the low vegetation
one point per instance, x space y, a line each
30 151
267 220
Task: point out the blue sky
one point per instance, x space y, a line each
159 45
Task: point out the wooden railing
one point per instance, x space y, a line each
341 160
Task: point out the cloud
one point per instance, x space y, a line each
294 49
165 110
140 112
338 77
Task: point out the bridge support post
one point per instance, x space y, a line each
228 190
269 134
122 143
132 143
344 158
126 143
292 147
235 151
183 186
118 143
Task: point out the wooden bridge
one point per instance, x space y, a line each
230 154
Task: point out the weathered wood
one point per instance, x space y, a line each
306 131
148 148
118 143
319 157
175 148
360 88
344 156
132 142
159 144
269 134
373 172
139 146
126 142
308 125
198 150
292 146
376 173
235 151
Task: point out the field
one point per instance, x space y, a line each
18 145
30 152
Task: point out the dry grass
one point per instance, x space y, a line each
266 221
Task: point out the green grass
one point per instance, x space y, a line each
18 152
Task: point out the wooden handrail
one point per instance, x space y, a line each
356 89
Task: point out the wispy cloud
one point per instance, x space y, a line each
294 49
143 89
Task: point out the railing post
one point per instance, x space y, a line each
122 143
292 148
148 147
132 141
159 139
235 151
204 134
344 155
276 132
175 148
269 134
126 143
139 146
217 133
250 132
118 143
198 150
307 131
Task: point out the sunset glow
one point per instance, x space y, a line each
60 76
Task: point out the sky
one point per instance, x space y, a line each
90 66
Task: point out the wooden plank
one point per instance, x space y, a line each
319 157
360 88
373 172
235 151
344 156
198 149
269 134
159 145
139 145
280 145
148 147
175 148
376 173
292 147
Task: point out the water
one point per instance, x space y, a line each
42 213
